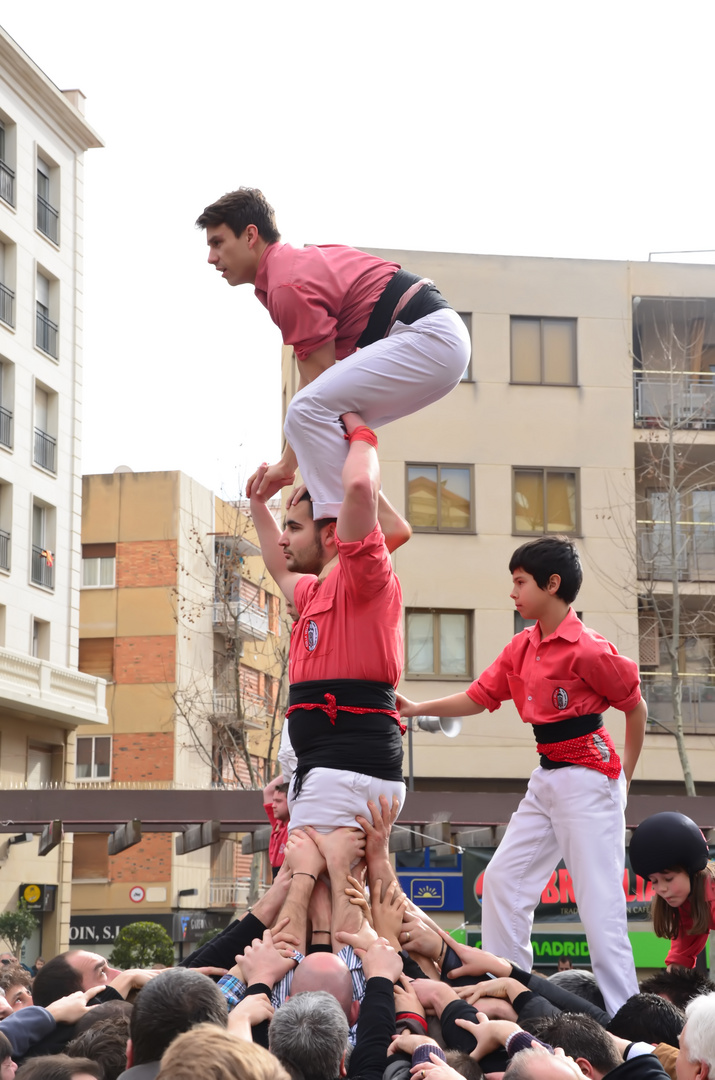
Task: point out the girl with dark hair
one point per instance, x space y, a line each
670 851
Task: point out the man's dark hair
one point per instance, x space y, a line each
582 1037
15 976
58 1067
283 788
238 209
321 522
648 1018
309 1035
105 1043
549 555
464 1064
679 985
579 982
6 1049
170 1004
107 1010
55 980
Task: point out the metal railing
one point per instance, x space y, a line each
229 892
248 619
674 399
698 702
45 450
47 219
5 426
46 335
4 550
43 573
7 183
692 560
7 303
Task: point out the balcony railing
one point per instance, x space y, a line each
7 303
7 183
47 219
248 619
254 707
4 550
43 567
45 450
5 426
698 702
674 399
692 560
46 335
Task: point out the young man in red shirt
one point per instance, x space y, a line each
275 804
346 647
561 677
399 343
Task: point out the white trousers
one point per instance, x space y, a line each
330 798
398 375
576 814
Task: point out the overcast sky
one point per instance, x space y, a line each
558 129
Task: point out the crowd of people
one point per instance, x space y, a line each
335 973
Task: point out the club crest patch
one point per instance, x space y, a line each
310 635
559 698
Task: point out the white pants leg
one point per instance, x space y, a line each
516 877
589 821
394 377
330 798
578 814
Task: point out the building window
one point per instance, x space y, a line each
45 444
43 556
47 199
5 524
90 858
40 639
545 501
96 657
439 498
46 328
7 295
466 317
98 573
438 644
543 351
94 758
7 158
7 379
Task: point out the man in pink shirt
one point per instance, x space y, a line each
399 344
346 647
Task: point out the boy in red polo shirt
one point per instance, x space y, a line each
561 677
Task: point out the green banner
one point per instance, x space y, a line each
649 951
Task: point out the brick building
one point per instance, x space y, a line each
176 616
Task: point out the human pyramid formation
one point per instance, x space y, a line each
334 970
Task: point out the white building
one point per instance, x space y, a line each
43 137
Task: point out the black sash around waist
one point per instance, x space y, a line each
573 727
369 743
427 300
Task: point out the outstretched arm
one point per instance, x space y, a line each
361 483
269 534
454 705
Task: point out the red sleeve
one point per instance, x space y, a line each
492 686
268 807
615 677
685 948
303 318
366 566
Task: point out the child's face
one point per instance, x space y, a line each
530 601
672 885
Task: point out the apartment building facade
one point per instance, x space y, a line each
588 382
43 696
177 615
